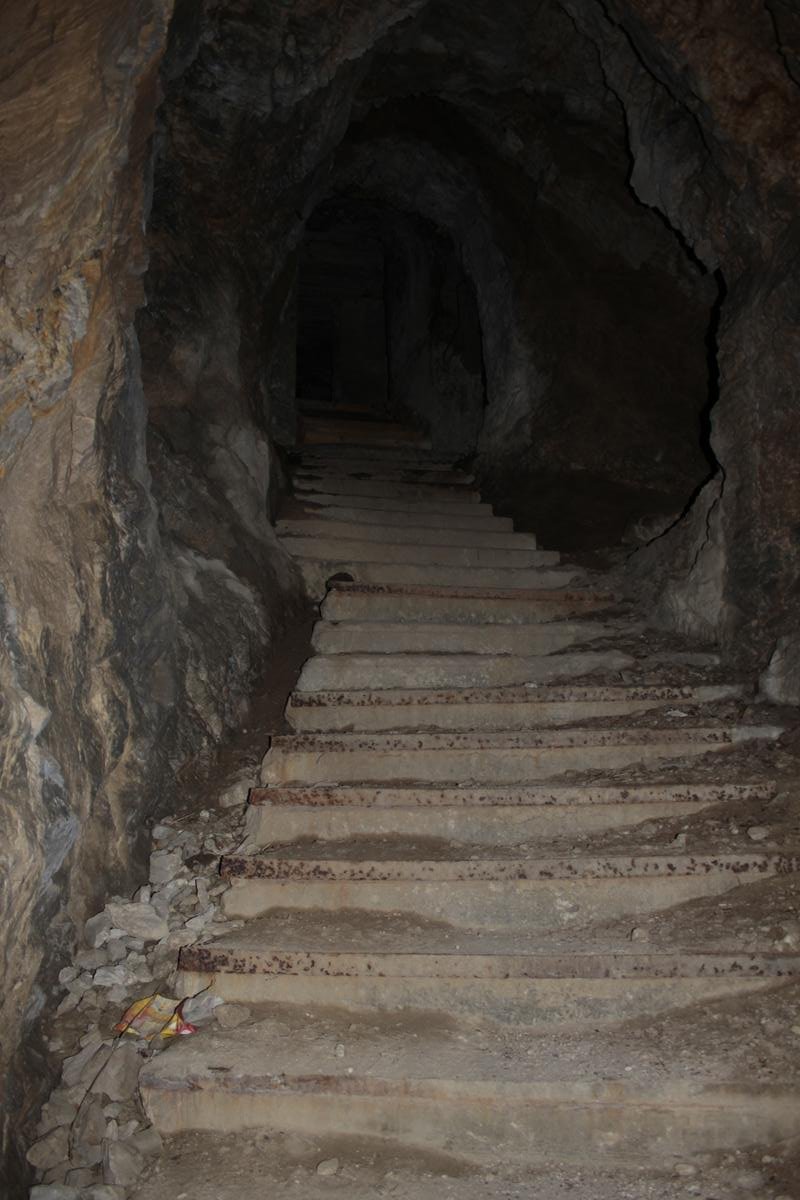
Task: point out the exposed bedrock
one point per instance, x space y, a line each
584 215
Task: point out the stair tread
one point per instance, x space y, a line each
542 595
385 860
356 934
439 476
318 572
415 937
403 496
403 534
394 519
326 549
287 1045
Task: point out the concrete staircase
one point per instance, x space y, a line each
454 885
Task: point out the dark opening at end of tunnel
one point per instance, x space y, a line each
388 324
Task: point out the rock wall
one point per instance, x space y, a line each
712 108
87 620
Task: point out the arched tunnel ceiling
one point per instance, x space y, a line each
306 78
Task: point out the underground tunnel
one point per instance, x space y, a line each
406 392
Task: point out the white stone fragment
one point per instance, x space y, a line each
50 1150
138 920
200 1008
97 929
120 975
202 920
122 1164
119 1077
164 866
53 1191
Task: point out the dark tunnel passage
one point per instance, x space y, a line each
556 237
388 324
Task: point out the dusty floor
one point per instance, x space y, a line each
261 1166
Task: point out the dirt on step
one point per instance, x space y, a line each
258 1166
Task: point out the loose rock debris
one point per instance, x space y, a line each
119 1007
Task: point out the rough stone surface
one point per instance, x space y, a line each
54 1191
780 682
122 1164
49 1150
138 921
118 1078
121 656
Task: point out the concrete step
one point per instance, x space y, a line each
485 708
415 535
386 637
385 472
387 602
527 756
333 485
333 549
321 431
283 962
468 1091
486 817
326 672
535 896
478 519
212 1166
317 572
401 504
334 454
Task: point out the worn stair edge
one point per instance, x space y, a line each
317 574
484 521
544 694
489 708
348 485
474 764
313 474
325 548
584 867
334 453
403 535
542 595
275 959
462 797
526 739
407 504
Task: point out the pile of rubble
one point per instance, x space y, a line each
94 1141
